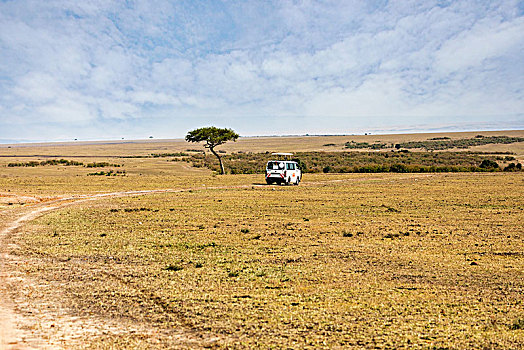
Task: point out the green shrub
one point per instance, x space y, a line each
47 162
513 167
101 165
518 324
489 164
173 268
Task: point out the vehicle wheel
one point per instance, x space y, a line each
269 182
298 181
288 181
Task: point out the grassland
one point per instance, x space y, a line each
341 261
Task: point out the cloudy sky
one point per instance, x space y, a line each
99 69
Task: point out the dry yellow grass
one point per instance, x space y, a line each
388 261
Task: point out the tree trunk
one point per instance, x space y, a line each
222 172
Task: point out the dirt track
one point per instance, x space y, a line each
13 330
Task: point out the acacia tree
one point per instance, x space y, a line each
213 137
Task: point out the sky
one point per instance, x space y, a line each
100 69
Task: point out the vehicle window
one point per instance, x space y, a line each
290 166
272 165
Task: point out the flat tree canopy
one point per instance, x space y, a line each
213 137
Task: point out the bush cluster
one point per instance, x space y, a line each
101 165
513 167
360 145
108 173
47 162
163 155
359 162
65 162
439 143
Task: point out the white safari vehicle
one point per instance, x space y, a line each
283 171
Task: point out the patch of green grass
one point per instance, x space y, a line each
173 268
518 324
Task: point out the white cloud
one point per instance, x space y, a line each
377 96
99 61
484 41
63 110
111 109
172 73
37 87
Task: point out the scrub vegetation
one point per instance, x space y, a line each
439 143
363 162
34 163
64 162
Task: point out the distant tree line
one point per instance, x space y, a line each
64 162
438 143
108 173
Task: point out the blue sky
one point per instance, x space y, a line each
100 69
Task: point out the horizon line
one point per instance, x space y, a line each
8 142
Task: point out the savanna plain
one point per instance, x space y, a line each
160 254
